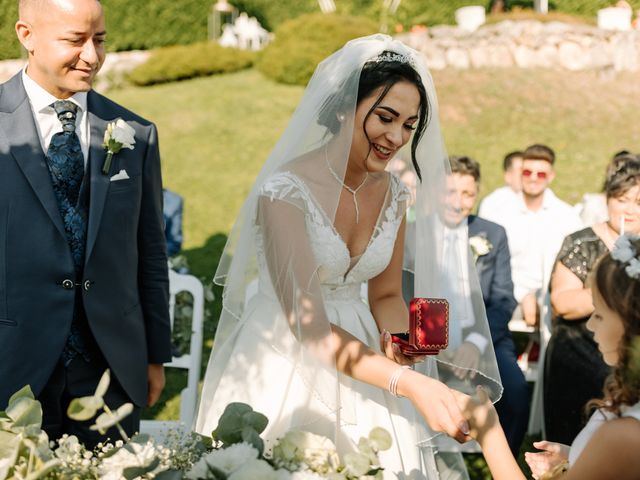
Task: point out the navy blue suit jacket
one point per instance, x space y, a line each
494 271
125 284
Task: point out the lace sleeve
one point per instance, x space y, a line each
283 208
401 197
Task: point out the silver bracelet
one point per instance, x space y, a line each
393 380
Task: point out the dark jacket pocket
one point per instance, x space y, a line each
124 185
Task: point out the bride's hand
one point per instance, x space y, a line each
541 462
480 412
436 403
392 351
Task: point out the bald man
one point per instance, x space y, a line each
83 266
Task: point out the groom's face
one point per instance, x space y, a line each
65 41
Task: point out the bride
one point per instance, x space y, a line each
296 340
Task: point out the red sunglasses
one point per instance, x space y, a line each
541 175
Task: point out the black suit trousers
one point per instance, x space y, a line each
79 379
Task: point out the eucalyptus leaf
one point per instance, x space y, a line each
84 408
24 392
103 384
252 437
380 439
256 420
130 473
25 411
170 475
141 438
107 420
231 423
357 464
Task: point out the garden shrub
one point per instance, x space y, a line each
300 44
131 24
145 24
9 45
181 62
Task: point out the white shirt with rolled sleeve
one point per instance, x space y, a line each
535 239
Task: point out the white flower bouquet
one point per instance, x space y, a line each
234 452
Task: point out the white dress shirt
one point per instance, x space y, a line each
461 307
535 239
46 120
493 204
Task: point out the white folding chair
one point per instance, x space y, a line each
536 416
189 361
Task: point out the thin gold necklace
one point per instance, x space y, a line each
352 191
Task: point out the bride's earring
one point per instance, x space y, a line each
340 117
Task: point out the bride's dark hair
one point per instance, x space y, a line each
621 293
384 72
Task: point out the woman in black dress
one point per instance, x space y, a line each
574 369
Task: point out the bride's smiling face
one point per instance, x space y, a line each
378 134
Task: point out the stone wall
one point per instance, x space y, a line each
529 44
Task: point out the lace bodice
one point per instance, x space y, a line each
340 275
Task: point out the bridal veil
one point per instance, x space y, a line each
272 232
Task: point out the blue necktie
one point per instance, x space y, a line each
66 167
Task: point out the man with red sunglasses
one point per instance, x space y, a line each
536 223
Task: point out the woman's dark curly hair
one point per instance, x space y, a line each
621 293
383 73
623 173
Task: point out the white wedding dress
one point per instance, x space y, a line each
257 374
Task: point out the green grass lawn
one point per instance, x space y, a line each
215 133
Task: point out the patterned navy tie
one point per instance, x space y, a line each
66 166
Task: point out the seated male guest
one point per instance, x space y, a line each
490 249
492 205
536 223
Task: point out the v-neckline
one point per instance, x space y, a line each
372 237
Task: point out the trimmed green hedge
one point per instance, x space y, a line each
9 45
272 13
301 43
169 64
145 24
131 24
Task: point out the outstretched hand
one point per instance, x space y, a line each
552 454
437 405
479 411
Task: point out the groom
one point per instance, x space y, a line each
83 266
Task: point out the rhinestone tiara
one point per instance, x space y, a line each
394 57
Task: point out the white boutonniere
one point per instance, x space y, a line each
479 246
119 135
